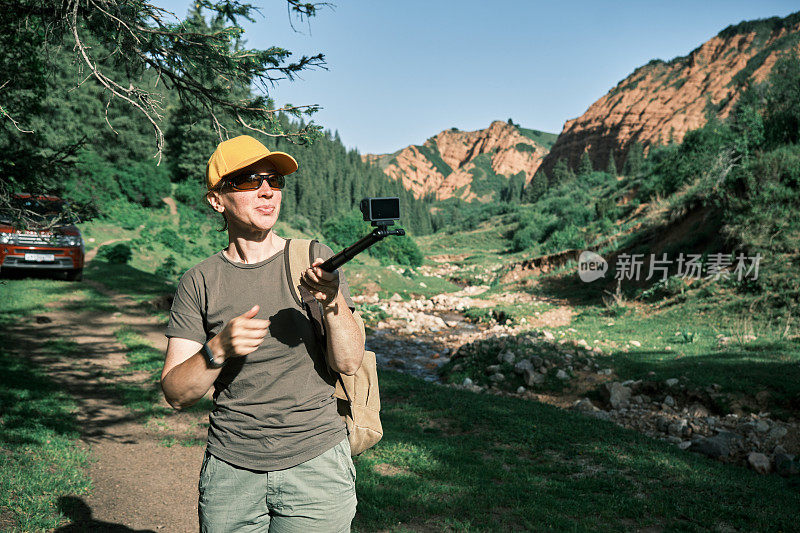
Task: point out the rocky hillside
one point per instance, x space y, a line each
468 164
663 100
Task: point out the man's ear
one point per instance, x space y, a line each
216 202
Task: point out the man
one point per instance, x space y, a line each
277 457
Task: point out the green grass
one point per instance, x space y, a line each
540 137
451 460
22 298
771 362
361 276
125 279
144 399
40 458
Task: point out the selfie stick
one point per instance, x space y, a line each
362 244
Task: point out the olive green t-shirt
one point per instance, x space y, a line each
273 408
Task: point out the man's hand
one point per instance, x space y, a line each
240 336
324 286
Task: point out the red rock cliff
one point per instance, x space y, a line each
664 100
466 164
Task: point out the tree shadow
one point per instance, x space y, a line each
80 515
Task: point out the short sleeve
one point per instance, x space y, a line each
186 315
325 252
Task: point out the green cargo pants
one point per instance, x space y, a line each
317 495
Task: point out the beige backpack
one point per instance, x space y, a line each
357 397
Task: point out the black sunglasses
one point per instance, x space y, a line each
251 182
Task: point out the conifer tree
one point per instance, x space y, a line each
562 173
585 166
611 168
142 43
536 188
635 160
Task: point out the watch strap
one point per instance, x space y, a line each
211 361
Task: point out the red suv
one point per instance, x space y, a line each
58 248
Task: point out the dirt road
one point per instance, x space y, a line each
138 482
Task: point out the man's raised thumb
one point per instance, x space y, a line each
252 312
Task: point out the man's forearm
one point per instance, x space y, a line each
345 344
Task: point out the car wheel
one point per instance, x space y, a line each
74 275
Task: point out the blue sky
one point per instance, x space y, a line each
400 72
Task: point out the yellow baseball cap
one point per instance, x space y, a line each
240 152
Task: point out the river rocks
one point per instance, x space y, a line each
497 377
758 462
777 432
697 411
679 428
616 394
521 366
532 377
507 360
717 446
506 357
785 463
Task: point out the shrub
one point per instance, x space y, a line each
126 215
400 250
144 183
119 253
168 269
344 230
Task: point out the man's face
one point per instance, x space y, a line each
249 210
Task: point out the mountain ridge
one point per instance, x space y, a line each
663 100
467 164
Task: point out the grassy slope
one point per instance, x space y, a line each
455 461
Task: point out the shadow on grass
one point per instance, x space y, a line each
738 371
128 280
29 402
450 459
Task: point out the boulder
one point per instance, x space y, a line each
533 378
497 377
679 428
758 462
506 357
720 445
616 394
785 464
585 405
523 365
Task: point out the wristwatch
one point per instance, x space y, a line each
211 361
